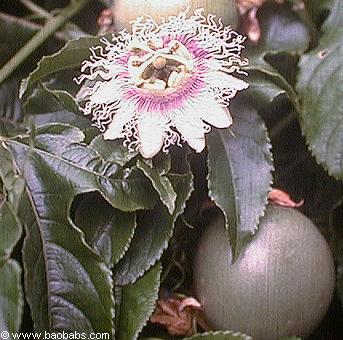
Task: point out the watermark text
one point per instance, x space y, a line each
5 335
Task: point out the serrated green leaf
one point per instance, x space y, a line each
138 303
262 89
58 147
11 297
240 166
69 57
267 75
153 233
320 87
161 183
112 151
45 100
68 285
223 335
69 133
107 230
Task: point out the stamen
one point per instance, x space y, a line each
159 69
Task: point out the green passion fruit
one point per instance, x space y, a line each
280 286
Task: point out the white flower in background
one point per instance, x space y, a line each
164 82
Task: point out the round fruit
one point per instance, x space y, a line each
280 286
128 10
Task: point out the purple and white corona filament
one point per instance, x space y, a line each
163 83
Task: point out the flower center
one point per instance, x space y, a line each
159 69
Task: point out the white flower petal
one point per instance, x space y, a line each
211 112
151 130
191 128
223 80
121 117
107 92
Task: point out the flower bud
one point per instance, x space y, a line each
128 10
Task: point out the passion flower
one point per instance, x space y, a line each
164 82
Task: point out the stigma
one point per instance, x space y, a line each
159 68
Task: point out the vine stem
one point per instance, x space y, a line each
35 8
51 26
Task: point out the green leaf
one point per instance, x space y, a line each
317 8
107 230
223 335
268 81
320 87
10 109
161 183
11 297
262 89
138 303
10 230
69 287
282 32
112 151
45 100
59 147
69 57
13 183
63 117
239 179
153 233
163 163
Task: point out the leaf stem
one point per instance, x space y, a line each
51 26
